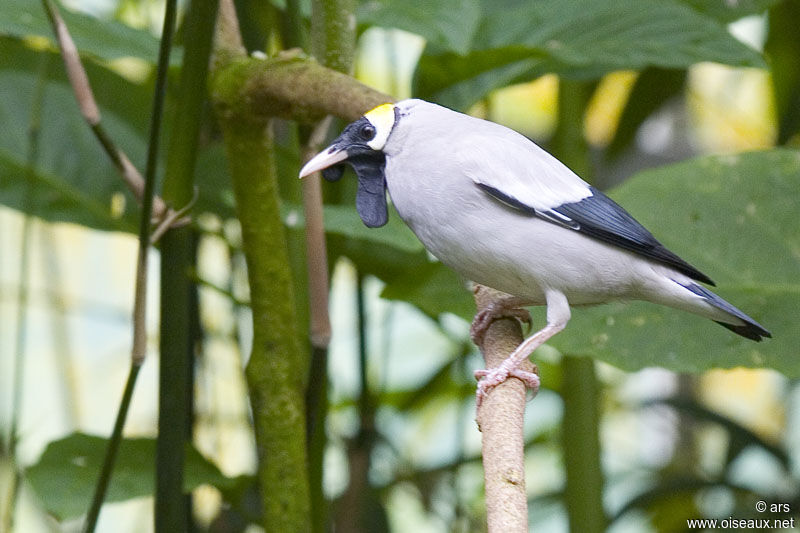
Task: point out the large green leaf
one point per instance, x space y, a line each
448 25
72 179
735 218
66 473
728 11
577 39
105 39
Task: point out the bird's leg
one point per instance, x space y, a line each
505 307
557 317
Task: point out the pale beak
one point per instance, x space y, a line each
328 157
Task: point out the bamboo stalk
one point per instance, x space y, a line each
177 342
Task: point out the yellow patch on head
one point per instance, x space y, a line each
380 113
382 117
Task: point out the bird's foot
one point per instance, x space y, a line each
490 378
484 318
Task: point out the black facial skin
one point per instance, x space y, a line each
369 166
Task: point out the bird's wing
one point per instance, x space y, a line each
540 185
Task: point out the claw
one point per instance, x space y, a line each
489 379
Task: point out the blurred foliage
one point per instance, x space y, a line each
65 475
734 217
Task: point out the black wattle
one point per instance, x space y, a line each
371 199
371 195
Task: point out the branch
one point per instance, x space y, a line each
79 82
292 87
500 419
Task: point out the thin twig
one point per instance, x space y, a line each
140 308
82 89
500 418
172 219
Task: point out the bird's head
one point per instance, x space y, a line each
361 146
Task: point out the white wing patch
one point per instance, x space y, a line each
520 169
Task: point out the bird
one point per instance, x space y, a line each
502 212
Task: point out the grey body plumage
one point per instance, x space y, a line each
504 213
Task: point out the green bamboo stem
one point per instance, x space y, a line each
580 388
138 350
580 438
101 487
172 508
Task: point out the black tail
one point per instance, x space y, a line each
750 329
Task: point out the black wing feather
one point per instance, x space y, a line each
600 217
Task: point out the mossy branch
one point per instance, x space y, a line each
276 371
290 87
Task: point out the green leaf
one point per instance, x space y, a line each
735 218
106 39
448 25
66 473
577 39
73 180
728 11
107 85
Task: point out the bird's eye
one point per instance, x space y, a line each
367 132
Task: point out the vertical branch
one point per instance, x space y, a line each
333 33
177 291
500 419
319 328
277 368
580 388
276 371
